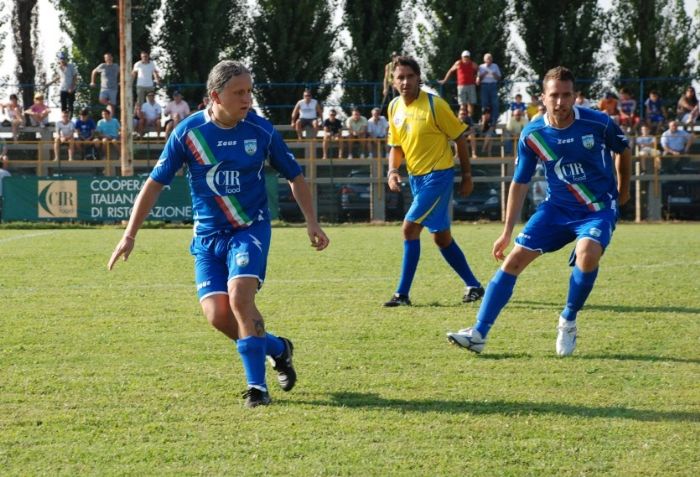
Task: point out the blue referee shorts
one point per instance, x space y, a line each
432 194
229 254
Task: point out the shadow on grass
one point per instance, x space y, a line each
615 308
639 357
508 408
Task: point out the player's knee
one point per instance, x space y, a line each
442 240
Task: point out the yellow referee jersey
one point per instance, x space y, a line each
423 130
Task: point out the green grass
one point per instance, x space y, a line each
119 374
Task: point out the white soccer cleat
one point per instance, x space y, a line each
468 338
566 337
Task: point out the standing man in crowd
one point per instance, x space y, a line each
466 81
488 77
67 77
232 230
306 113
109 81
388 91
575 145
147 76
421 126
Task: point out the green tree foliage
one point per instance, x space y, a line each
478 26
25 16
567 33
375 32
94 30
193 36
293 41
653 39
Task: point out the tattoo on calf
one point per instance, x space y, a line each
259 327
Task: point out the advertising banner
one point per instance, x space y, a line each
89 199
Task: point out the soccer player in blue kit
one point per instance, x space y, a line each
224 149
575 146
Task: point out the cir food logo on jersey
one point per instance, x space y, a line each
223 182
57 199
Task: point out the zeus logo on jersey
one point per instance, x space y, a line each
565 141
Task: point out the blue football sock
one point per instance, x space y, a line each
252 351
580 286
498 292
455 257
411 255
273 345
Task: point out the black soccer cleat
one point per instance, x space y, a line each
398 300
286 376
472 294
255 397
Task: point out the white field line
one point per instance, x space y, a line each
19 237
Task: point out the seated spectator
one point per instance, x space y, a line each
511 133
85 126
204 104
65 130
357 132
486 131
38 112
377 128
177 110
608 105
13 116
332 131
108 130
646 143
150 115
306 113
687 108
517 104
464 116
627 105
581 101
675 141
654 112
3 155
532 107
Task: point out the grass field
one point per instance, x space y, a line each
119 374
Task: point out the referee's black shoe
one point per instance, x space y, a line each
286 376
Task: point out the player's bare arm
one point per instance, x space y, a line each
466 185
142 207
393 177
623 167
516 198
302 194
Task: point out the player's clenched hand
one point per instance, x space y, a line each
394 182
499 246
319 239
123 249
466 186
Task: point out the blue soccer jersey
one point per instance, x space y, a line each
577 159
225 169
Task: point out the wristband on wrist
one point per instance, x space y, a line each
131 237
392 171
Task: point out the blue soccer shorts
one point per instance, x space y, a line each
432 194
550 228
223 256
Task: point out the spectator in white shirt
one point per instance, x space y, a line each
147 76
377 127
65 130
150 115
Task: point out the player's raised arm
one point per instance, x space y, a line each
302 194
142 207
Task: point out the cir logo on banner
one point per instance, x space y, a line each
57 199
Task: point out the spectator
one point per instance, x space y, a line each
85 127
306 113
654 112
13 116
517 104
608 105
204 104
581 100
486 131
645 142
675 141
67 75
470 133
532 107
332 131
150 115
3 168
388 91
688 109
628 110
147 76
108 129
377 127
38 112
65 130
514 126
357 132
177 110
488 77
109 81
541 109
466 80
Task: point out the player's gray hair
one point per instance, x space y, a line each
222 72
